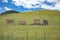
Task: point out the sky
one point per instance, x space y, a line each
29 5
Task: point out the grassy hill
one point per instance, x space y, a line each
31 32
52 16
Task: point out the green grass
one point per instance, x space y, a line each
31 32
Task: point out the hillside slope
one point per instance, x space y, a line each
52 16
31 32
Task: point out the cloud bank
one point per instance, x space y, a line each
44 4
55 4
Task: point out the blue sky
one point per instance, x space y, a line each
29 5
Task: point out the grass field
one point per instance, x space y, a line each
15 31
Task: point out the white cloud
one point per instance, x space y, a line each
6 1
54 1
29 3
56 7
48 7
7 8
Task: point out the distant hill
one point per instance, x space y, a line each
9 12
